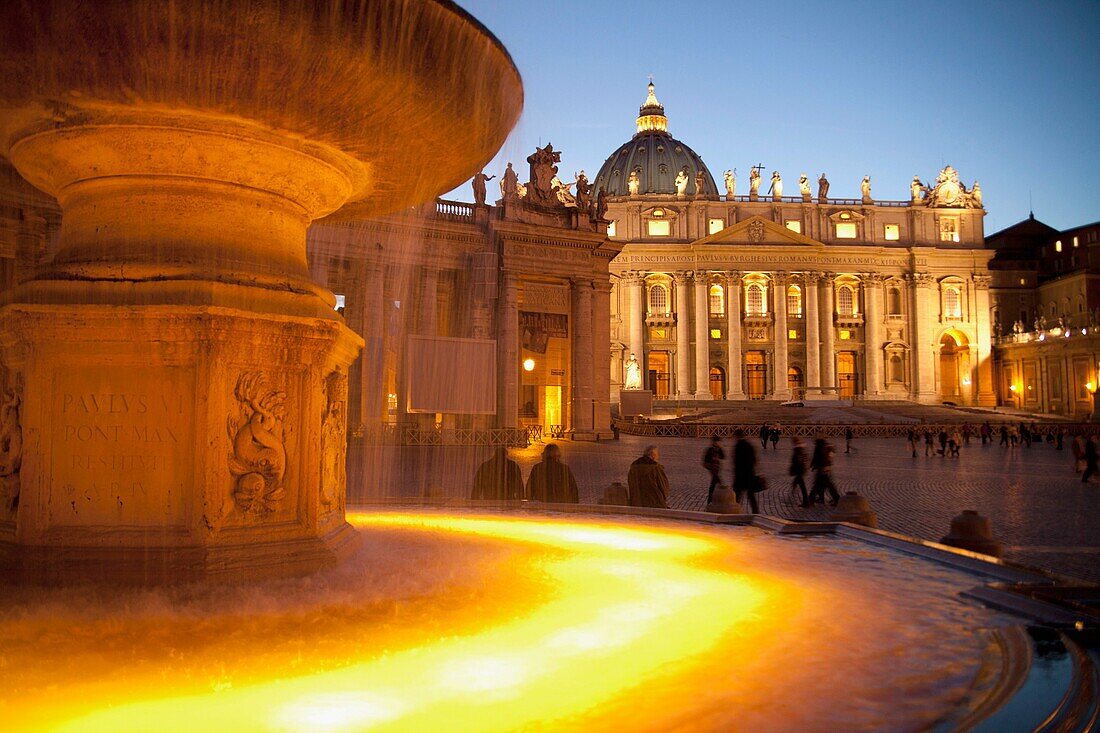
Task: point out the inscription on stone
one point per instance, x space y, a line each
119 440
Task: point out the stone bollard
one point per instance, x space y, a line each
616 494
971 531
855 509
724 501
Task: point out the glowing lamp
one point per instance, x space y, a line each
528 365
1090 386
1012 388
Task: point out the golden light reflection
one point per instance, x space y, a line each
624 607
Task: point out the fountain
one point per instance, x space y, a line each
175 380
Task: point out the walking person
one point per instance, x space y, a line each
1078 449
1004 435
712 461
775 437
798 470
822 466
987 432
929 444
943 441
848 435
765 433
1092 458
744 471
912 438
551 480
647 482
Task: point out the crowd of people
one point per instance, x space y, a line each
551 480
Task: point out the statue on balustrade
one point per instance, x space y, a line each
601 204
633 182
917 189
584 192
478 182
700 184
681 183
865 189
822 189
754 182
731 183
543 171
776 189
509 184
804 187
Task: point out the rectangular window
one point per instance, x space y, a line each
845 334
658 228
611 229
716 333
658 334
715 225
792 333
892 233
794 225
949 229
1075 241
1058 246
846 230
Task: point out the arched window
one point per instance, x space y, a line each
952 307
754 300
897 368
717 300
658 300
845 301
893 301
794 301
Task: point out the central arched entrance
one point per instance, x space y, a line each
954 367
717 383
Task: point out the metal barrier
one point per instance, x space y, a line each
408 434
682 429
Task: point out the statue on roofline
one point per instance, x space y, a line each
478 182
804 187
633 181
681 183
731 183
543 171
822 189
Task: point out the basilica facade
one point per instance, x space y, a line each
727 296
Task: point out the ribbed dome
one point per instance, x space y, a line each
655 155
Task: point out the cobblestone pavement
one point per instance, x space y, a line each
1040 509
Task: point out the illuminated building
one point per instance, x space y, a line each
792 295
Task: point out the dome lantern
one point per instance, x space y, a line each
651 115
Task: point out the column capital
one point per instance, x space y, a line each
581 283
982 281
873 278
780 277
811 277
680 277
921 279
601 286
733 277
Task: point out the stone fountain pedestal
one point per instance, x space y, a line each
173 385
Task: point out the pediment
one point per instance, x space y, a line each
757 230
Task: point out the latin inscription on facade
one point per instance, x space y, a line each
119 443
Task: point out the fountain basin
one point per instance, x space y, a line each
483 621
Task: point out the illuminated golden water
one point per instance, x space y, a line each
564 624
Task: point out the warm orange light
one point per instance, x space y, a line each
616 611
528 365
1090 386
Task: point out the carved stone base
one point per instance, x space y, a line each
176 442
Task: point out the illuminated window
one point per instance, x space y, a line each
794 225
891 232
949 229
897 369
792 333
845 301
893 301
952 307
845 334
658 300
717 300
846 230
715 225
1023 281
754 300
340 301
658 227
1075 241
716 333
1058 246
611 229
794 300
658 333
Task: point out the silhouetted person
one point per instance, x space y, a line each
775 437
798 470
848 435
712 461
551 480
1092 458
765 433
822 465
647 481
744 471
498 478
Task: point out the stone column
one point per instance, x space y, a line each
584 360
923 327
601 356
984 367
872 330
30 246
780 390
636 312
828 339
813 328
429 291
508 353
683 338
702 338
734 389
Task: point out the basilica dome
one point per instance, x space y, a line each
656 156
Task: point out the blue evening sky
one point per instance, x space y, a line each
1006 92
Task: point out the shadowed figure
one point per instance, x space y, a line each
498 478
551 480
647 480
